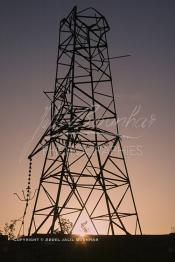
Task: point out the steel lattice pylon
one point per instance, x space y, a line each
84 175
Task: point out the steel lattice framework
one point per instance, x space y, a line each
84 174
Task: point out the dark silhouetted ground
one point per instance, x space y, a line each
155 248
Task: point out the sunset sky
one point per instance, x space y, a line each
144 92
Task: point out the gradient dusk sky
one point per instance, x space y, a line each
143 84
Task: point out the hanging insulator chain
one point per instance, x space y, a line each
26 196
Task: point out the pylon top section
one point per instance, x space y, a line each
90 17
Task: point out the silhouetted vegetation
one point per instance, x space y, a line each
66 226
9 229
